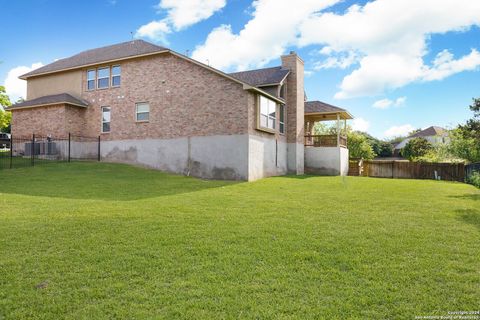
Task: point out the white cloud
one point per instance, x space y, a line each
184 13
387 103
397 131
390 41
180 15
155 30
341 61
273 27
387 39
382 104
360 124
445 65
400 101
15 87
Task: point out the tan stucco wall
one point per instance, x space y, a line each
65 82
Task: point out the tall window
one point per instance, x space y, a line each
91 79
282 119
267 113
106 119
103 77
116 73
142 111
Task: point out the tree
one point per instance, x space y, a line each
463 145
415 148
380 147
358 146
465 140
5 116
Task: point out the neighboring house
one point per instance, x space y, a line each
433 134
155 107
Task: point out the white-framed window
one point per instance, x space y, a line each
267 113
103 77
91 79
281 120
116 76
106 118
142 111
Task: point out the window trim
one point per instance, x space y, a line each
136 111
94 79
109 76
259 114
102 122
116 75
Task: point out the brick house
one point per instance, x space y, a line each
155 107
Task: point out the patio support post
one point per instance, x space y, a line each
346 131
338 130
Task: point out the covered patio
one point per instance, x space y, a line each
326 153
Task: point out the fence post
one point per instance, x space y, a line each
69 139
98 148
11 151
33 150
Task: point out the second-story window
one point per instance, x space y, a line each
103 78
267 113
116 76
91 79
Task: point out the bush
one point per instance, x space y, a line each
358 147
416 148
475 179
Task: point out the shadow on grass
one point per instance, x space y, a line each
475 197
470 216
100 181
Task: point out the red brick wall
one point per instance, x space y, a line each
56 120
185 100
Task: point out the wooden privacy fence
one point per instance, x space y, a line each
411 170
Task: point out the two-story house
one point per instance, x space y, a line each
155 107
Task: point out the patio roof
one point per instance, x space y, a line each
321 111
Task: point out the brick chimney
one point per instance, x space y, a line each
295 98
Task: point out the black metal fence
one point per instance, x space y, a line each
470 169
36 150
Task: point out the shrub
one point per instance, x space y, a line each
475 179
416 148
358 147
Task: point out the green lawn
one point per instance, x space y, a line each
93 241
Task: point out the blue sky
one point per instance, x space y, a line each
394 64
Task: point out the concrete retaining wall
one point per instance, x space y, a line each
211 157
226 157
330 161
266 157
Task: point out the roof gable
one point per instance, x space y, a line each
95 56
262 77
430 131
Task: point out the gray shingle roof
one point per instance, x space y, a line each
260 77
99 55
318 106
52 99
430 131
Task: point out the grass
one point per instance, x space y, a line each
93 241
